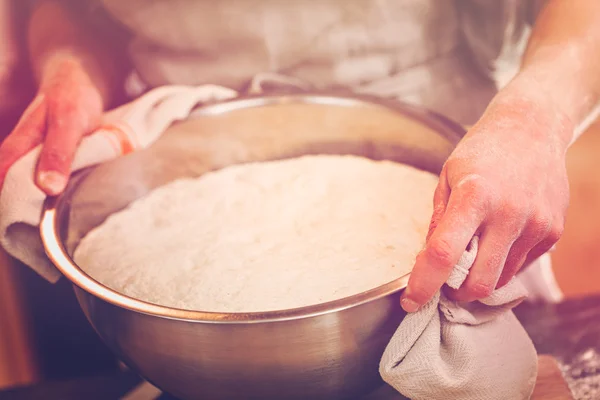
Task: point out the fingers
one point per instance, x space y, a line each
515 260
541 233
553 236
67 124
535 232
494 245
464 213
500 256
28 133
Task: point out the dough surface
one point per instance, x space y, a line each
265 236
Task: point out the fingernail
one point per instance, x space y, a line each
52 182
409 305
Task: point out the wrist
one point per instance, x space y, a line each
536 114
561 80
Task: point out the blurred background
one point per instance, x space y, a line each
44 335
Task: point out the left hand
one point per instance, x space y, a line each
67 107
506 182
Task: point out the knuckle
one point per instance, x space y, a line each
512 214
67 107
55 100
513 227
60 120
542 219
438 197
62 107
54 156
556 232
477 191
451 163
72 118
540 224
438 212
494 262
479 290
514 208
475 185
420 294
440 252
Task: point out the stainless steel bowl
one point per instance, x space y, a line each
327 351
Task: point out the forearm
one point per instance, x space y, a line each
562 61
58 39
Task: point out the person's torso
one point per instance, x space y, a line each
327 42
408 49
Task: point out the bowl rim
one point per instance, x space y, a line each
55 250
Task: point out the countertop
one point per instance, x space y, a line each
569 331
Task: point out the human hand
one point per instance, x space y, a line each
506 182
67 107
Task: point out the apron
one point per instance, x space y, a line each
437 54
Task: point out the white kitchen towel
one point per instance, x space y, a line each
453 351
134 125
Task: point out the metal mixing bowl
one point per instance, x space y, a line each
326 351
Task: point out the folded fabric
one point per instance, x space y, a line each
134 125
453 351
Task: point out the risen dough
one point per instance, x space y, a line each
266 236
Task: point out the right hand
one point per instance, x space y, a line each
67 107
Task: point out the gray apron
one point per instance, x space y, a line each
438 54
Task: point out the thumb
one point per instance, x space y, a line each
67 124
27 134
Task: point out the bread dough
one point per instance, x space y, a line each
265 236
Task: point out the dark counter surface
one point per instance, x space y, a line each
569 331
